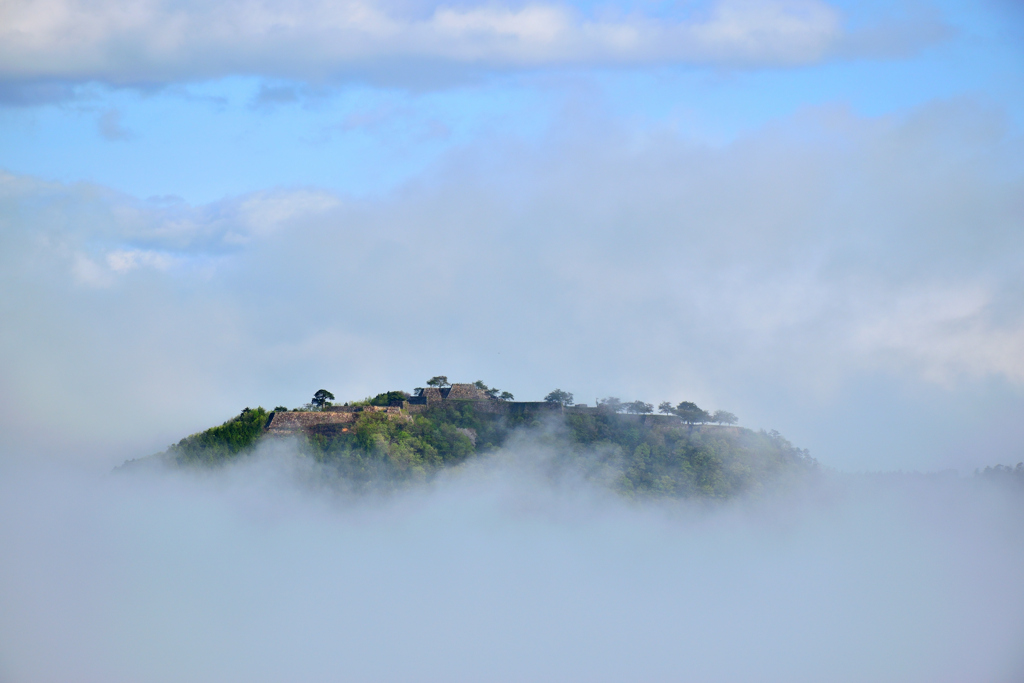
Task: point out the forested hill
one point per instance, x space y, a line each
659 455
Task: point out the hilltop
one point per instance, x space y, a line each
396 438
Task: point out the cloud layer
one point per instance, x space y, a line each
499 573
772 277
161 41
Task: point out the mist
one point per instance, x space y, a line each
500 570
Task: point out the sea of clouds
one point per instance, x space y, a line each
500 571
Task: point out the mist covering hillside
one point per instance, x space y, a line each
517 564
549 547
633 454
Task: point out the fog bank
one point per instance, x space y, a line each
497 572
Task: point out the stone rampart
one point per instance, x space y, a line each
282 423
333 420
465 392
532 406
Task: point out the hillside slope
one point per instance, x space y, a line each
636 455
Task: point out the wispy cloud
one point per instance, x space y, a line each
160 41
110 126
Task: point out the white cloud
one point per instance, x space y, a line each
264 212
947 332
89 273
125 260
766 277
155 41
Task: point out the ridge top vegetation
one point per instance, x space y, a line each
395 439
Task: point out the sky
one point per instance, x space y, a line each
808 213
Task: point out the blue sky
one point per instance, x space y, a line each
203 140
804 212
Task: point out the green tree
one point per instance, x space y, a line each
220 444
563 398
438 381
666 407
387 398
610 403
639 408
321 399
691 414
724 417
507 396
491 392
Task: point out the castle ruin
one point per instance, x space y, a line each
340 419
337 420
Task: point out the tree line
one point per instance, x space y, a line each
687 411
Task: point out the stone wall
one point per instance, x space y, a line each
390 410
282 423
532 406
456 392
333 420
339 419
464 392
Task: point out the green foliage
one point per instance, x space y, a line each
639 408
387 398
661 457
724 417
491 392
222 443
379 450
559 396
638 454
690 413
322 399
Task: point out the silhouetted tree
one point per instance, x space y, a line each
321 399
724 417
507 396
639 408
438 381
667 408
1003 473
